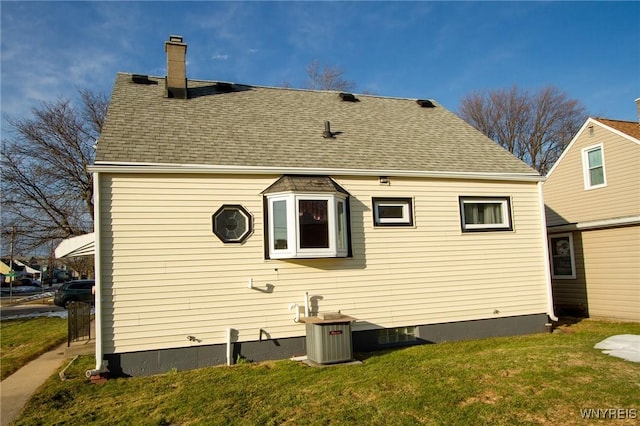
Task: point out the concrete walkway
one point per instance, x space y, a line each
16 389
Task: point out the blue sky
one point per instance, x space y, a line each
438 50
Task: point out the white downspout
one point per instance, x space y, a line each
547 264
100 367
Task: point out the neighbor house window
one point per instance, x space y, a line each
392 212
593 167
485 214
303 224
563 263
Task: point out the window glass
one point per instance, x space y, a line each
232 223
596 170
280 225
396 335
593 167
562 257
482 213
485 214
342 226
313 223
390 212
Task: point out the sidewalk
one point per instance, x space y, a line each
16 389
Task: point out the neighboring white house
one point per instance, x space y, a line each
592 197
225 206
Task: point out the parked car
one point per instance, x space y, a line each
27 282
74 291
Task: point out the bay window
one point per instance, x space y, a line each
307 224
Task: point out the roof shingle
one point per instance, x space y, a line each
281 127
631 128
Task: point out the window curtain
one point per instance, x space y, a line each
483 213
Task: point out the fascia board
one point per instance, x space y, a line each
121 167
594 224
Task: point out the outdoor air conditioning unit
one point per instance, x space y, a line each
329 338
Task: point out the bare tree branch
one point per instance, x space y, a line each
534 127
327 78
46 189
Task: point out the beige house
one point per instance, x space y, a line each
592 198
226 211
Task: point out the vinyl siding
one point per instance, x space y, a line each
166 276
612 270
565 197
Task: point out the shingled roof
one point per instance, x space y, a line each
240 125
631 128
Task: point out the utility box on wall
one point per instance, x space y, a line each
329 338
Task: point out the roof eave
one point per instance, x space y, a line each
124 167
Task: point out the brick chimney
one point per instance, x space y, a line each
638 108
176 81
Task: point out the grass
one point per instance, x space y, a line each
22 340
525 380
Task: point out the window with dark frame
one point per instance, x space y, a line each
392 211
562 256
485 213
232 223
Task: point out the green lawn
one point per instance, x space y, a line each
526 380
22 340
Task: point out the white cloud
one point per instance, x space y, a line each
220 57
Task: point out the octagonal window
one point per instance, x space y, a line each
232 223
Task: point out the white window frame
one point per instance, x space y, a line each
407 211
338 245
554 255
505 225
586 167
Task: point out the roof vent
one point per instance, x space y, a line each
348 97
425 103
142 79
327 134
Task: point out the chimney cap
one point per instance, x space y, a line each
175 38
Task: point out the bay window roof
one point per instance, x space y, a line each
292 183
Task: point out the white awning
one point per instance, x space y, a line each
82 245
